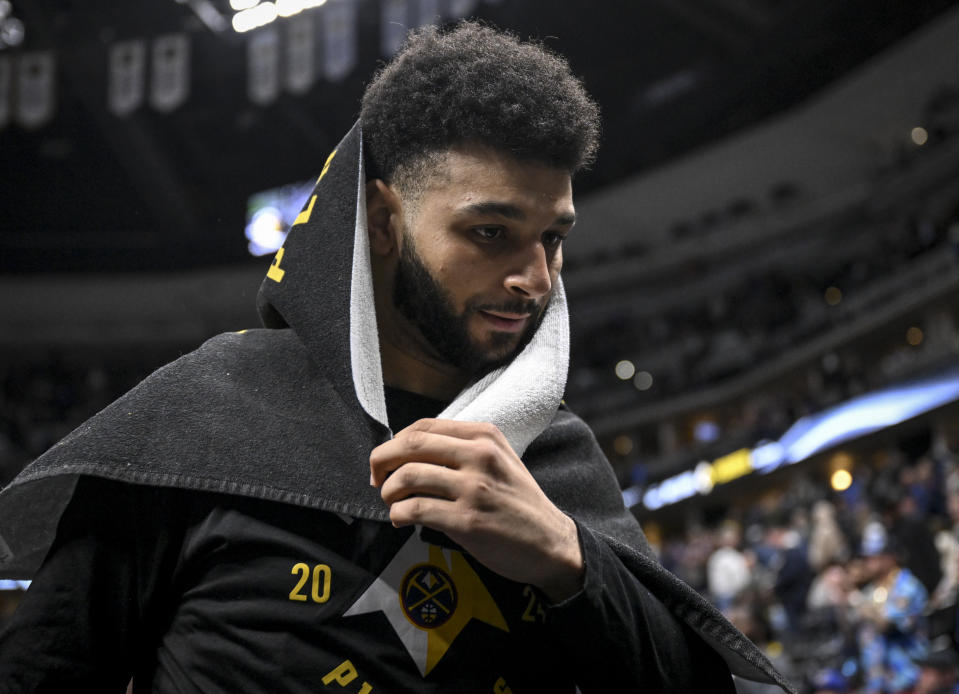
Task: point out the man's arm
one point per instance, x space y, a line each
616 636
76 626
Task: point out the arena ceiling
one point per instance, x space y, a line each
92 191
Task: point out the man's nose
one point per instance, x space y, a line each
531 279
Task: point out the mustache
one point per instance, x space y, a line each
518 306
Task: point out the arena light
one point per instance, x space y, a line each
841 480
868 413
270 213
706 431
675 489
252 14
266 232
255 17
766 457
643 380
625 369
12 30
808 436
288 8
623 445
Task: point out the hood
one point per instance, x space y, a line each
320 284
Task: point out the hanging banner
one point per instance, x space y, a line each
339 39
427 12
394 24
127 77
300 51
35 82
263 66
462 8
170 72
6 90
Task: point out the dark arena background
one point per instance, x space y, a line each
764 282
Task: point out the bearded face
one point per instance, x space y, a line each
420 298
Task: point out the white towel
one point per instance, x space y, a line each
520 398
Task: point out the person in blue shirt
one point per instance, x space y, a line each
891 634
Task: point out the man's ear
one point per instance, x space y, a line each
384 215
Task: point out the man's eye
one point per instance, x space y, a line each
552 239
488 233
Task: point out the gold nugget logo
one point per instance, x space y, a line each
428 596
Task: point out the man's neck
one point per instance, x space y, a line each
407 370
403 408
408 361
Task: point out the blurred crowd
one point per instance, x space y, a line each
700 321
43 400
847 592
733 326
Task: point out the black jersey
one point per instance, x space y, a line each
198 592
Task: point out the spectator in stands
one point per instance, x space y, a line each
830 589
890 610
947 543
912 532
793 574
728 569
827 544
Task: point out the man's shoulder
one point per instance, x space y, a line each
567 428
231 361
245 348
227 380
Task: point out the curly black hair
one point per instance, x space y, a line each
473 84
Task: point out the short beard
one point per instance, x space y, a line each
421 300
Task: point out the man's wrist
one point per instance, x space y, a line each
569 572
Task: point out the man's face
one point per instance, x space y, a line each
480 257
880 565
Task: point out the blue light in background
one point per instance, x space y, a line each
818 432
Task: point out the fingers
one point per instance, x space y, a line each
418 447
421 479
440 442
432 512
454 428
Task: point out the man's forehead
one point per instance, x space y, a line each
486 180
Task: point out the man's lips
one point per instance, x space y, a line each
505 321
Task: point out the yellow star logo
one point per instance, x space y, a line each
429 595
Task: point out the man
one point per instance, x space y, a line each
891 633
728 570
379 492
